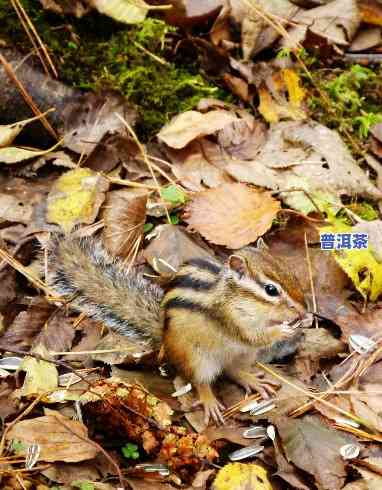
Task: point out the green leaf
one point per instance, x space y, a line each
173 195
82 485
130 451
147 227
174 218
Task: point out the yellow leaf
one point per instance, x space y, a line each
41 377
76 197
238 476
268 107
359 264
295 91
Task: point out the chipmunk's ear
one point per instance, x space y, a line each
238 264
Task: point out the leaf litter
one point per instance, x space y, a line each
259 163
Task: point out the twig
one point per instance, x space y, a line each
28 26
28 99
311 279
146 160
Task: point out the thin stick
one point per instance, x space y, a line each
311 279
28 99
146 160
317 398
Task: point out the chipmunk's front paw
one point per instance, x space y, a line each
212 407
254 382
288 330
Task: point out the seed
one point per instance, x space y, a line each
153 468
271 432
249 406
246 452
361 344
349 451
262 407
255 432
183 390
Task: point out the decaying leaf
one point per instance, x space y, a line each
337 21
305 156
304 440
256 33
233 215
76 197
57 437
124 217
172 247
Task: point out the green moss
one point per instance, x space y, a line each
354 97
96 53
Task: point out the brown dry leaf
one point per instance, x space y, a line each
89 118
115 341
337 21
309 156
371 12
366 39
27 325
198 165
57 437
91 335
233 215
314 448
57 334
256 33
190 125
76 7
174 246
66 473
124 217
8 404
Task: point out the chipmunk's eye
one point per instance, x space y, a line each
271 290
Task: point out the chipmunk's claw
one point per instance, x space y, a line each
211 406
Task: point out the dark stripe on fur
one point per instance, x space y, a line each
190 282
185 304
205 265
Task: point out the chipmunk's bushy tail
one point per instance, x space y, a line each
98 285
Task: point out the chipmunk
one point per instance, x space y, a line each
212 317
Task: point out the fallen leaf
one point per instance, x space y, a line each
304 440
233 215
9 132
13 154
59 438
190 125
337 21
41 377
366 39
240 476
124 216
127 11
14 209
371 12
88 118
198 165
256 33
174 246
75 198
57 334
309 156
